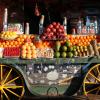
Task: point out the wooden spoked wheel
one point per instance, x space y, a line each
91 83
11 83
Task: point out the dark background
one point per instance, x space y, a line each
54 10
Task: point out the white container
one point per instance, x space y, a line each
1 52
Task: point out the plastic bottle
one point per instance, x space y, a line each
41 24
27 28
79 26
88 24
65 24
5 18
73 31
96 26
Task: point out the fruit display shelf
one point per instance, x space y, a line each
50 60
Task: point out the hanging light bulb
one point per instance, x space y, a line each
37 12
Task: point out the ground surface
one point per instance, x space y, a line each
89 97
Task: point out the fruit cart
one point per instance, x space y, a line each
50 64
48 76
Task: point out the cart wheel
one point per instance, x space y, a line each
91 83
11 83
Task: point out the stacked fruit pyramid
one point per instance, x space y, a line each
54 31
28 51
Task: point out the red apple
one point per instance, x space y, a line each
57 27
49 37
53 30
61 27
50 26
60 30
48 29
58 23
51 33
54 23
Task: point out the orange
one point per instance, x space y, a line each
31 44
88 43
19 43
15 43
10 46
3 43
11 43
83 40
33 47
26 44
21 39
84 37
87 37
84 43
28 56
21 36
23 47
91 36
73 43
24 52
71 40
23 55
18 39
76 41
80 44
28 48
1 46
71 37
7 43
34 56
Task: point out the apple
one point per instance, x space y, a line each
57 27
50 26
48 29
49 37
51 33
58 23
53 30
60 30
54 23
61 27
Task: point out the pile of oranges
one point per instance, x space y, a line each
15 43
82 40
28 51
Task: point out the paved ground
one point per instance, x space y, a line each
89 97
